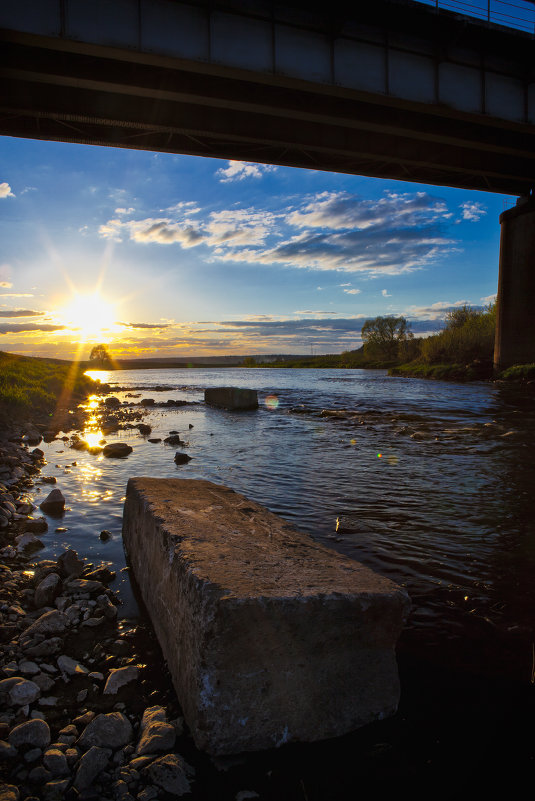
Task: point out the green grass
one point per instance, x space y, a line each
37 386
519 372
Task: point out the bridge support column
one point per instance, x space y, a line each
515 318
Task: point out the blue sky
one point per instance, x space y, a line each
160 254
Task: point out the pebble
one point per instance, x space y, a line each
112 731
90 765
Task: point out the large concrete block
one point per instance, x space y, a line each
231 398
269 636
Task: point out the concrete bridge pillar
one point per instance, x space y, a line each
515 318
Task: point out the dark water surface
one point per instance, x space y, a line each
432 485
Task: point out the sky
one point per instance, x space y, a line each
157 254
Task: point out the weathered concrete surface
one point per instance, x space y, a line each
231 398
269 636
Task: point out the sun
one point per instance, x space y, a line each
90 314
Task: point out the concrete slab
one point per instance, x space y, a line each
270 637
234 398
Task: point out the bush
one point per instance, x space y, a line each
468 336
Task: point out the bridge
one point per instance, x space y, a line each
392 89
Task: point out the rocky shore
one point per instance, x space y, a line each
79 716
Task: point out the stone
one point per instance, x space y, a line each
144 429
321 662
48 647
34 525
69 563
168 773
147 402
29 668
53 622
47 590
9 792
55 790
182 458
119 677
35 733
7 752
157 734
231 398
174 439
23 692
56 762
117 450
112 402
90 765
108 731
44 682
28 542
70 666
105 535
54 503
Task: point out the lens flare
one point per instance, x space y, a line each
272 402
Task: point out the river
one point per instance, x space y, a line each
429 483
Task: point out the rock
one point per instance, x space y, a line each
174 440
113 402
322 660
47 590
32 732
48 647
144 429
69 563
119 677
182 458
105 535
54 622
44 682
54 503
28 542
108 731
7 752
23 692
29 668
155 440
157 734
32 755
83 585
231 398
56 762
101 573
71 667
8 792
55 790
90 765
117 450
147 402
168 773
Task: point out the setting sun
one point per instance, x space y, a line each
90 314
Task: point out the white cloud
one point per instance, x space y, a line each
395 234
472 211
5 284
436 311
239 170
5 190
489 298
352 291
385 294
122 210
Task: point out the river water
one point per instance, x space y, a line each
429 483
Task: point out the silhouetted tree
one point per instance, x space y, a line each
100 353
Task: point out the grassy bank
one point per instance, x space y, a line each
32 386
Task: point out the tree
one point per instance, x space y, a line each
458 317
100 353
383 336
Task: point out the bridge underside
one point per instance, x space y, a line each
59 89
